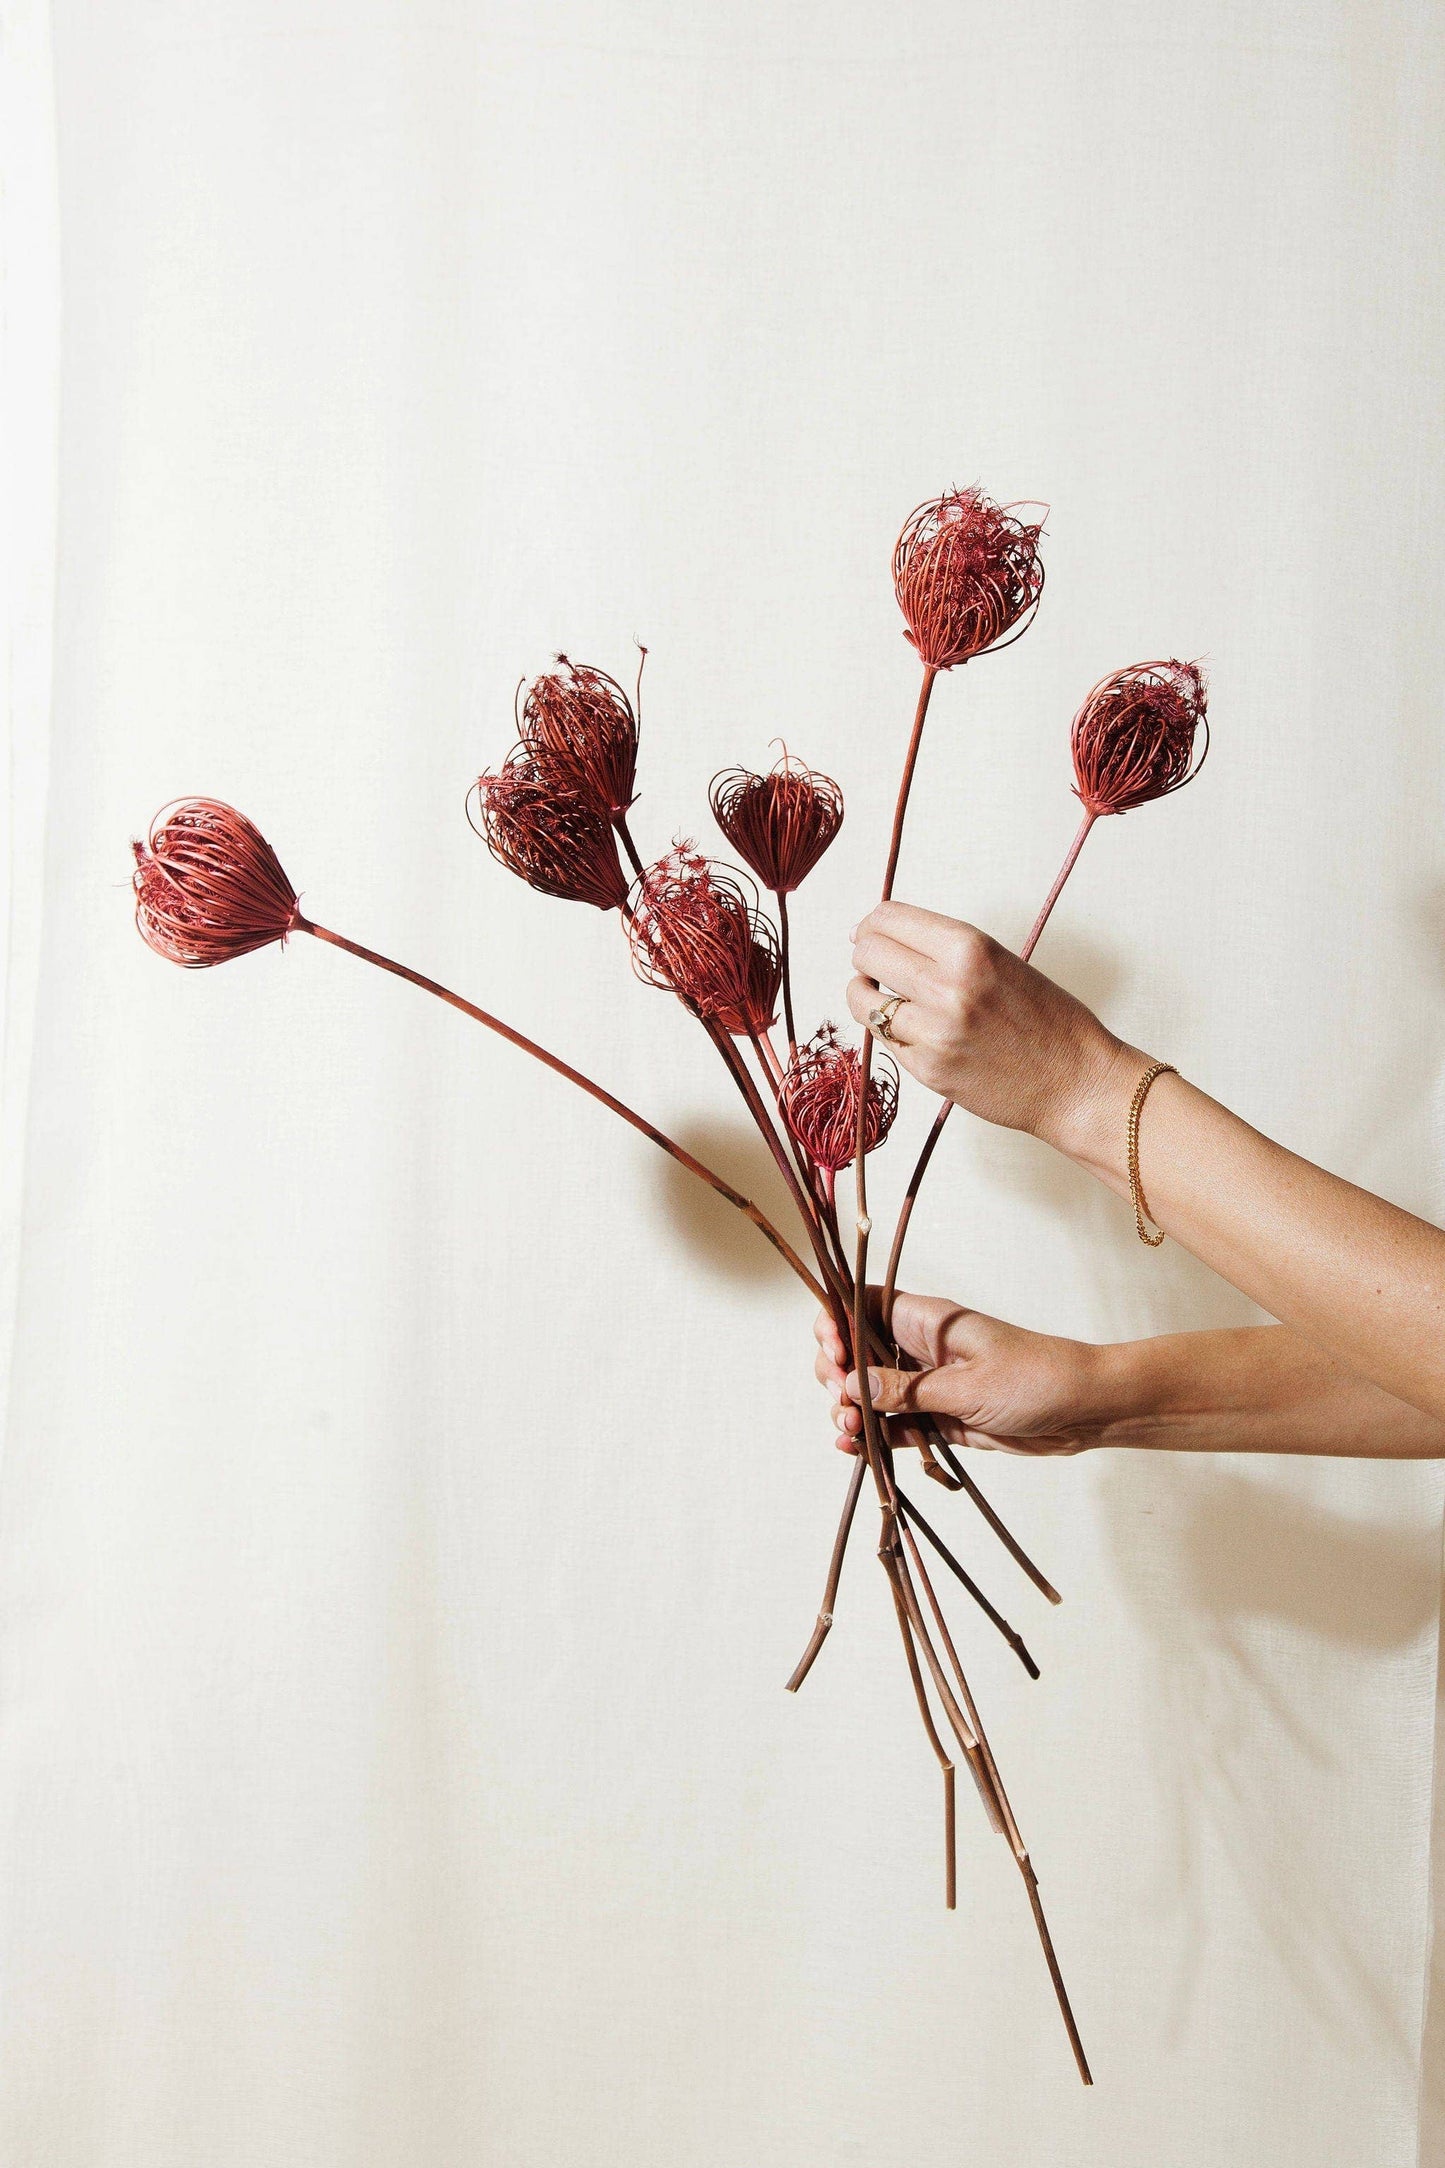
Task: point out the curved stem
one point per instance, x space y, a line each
605 1098
910 1195
835 1570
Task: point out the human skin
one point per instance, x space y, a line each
1357 1284
1255 1389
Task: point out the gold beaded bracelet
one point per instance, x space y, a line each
1136 1188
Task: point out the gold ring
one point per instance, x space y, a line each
880 1020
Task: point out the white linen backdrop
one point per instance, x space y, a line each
415 1496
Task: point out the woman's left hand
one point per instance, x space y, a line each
982 1028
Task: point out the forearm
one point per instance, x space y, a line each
1259 1389
1358 1276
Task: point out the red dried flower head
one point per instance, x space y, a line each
820 1099
966 572
1136 736
696 931
782 823
208 886
533 819
584 719
765 982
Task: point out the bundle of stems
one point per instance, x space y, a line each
208 887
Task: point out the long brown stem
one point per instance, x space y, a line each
835 1569
605 1098
945 1760
910 1195
839 1295
1009 1825
910 762
783 944
910 1513
871 1433
1010 1543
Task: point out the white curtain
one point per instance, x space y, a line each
414 1498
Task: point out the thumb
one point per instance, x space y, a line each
907 1392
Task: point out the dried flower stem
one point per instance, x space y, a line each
782 896
605 1098
1009 1825
835 1569
619 822
945 1761
910 1512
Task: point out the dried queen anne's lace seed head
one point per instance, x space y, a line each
820 1099
208 886
585 721
538 824
967 573
780 824
1137 736
697 932
765 981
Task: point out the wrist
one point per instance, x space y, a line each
1089 1123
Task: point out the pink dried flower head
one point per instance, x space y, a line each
208 886
534 820
967 573
696 931
820 1099
584 719
1137 734
781 823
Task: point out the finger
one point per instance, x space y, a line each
825 1330
849 1421
902 970
863 997
905 1392
829 1373
929 932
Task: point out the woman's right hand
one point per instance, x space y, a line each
988 1383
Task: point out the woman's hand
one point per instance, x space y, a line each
990 1384
984 1029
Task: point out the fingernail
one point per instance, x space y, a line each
852 933
875 1385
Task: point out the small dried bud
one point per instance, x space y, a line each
208 886
967 573
533 819
697 932
585 721
820 1099
1136 736
781 823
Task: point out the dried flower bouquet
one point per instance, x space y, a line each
968 578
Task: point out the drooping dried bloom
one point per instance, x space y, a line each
781 823
533 819
820 1099
208 886
584 719
696 931
966 572
1137 735
765 981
